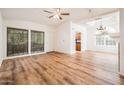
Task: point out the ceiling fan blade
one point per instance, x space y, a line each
65 13
51 16
47 11
60 17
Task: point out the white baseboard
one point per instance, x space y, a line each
24 55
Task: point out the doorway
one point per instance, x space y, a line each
78 41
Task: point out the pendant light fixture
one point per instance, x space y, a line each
101 30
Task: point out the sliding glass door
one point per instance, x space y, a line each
17 41
37 41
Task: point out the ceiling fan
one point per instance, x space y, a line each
56 14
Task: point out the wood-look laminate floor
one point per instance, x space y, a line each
57 68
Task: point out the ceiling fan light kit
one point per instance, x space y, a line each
56 14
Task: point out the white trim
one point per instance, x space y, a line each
29 42
24 55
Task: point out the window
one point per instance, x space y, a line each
110 42
105 41
17 41
99 40
37 41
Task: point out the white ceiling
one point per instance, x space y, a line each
37 14
110 21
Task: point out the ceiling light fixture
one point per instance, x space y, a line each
56 16
101 30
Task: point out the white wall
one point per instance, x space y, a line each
29 26
63 38
77 28
1 56
122 41
91 42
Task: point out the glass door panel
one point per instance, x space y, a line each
17 41
37 41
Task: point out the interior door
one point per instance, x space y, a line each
78 41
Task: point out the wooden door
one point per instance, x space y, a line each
78 41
